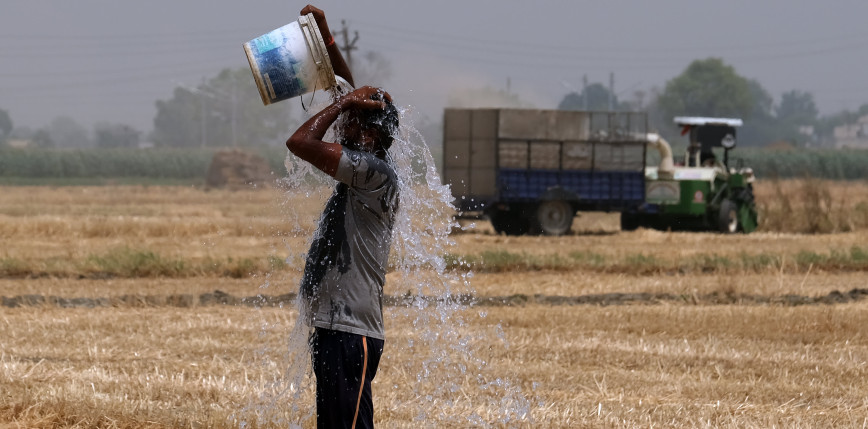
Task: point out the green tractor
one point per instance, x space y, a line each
701 193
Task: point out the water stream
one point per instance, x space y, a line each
449 381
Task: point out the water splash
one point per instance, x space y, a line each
450 383
449 378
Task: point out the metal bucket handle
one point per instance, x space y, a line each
318 51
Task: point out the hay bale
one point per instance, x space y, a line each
237 169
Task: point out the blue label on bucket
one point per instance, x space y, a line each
280 70
283 63
269 41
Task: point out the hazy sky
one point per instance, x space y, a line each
110 60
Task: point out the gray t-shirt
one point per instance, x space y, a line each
346 265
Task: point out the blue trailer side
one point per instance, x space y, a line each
530 171
587 190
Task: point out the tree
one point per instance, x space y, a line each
224 111
598 99
798 108
708 88
116 135
760 126
657 119
5 125
42 139
763 102
66 132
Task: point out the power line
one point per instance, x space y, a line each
42 35
126 71
485 56
562 62
402 33
645 58
62 52
171 42
101 82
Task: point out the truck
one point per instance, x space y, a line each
531 171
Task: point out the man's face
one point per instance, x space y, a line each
356 136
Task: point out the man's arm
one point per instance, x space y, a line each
339 65
307 144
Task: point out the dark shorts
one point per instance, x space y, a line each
344 365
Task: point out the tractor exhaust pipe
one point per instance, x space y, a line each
666 170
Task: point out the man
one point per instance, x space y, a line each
343 279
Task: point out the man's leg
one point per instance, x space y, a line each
365 417
344 365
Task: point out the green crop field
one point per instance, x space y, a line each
113 166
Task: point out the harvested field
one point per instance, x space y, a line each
598 328
677 366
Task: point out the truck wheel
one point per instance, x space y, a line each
509 222
629 221
728 217
554 217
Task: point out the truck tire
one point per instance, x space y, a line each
629 221
554 217
509 222
728 217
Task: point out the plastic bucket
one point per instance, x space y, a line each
290 61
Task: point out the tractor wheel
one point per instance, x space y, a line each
509 222
554 217
749 219
727 221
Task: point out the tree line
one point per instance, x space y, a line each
226 111
64 131
710 87
223 111
192 163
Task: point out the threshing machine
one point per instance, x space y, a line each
531 171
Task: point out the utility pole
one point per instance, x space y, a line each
349 46
585 92
611 91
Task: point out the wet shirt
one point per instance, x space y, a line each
346 265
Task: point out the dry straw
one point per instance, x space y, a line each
680 364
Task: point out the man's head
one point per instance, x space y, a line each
371 130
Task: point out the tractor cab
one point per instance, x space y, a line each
705 135
703 193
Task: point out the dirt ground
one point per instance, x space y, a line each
782 345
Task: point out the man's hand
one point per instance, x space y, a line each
338 63
366 97
319 17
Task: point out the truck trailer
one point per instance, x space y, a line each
530 171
